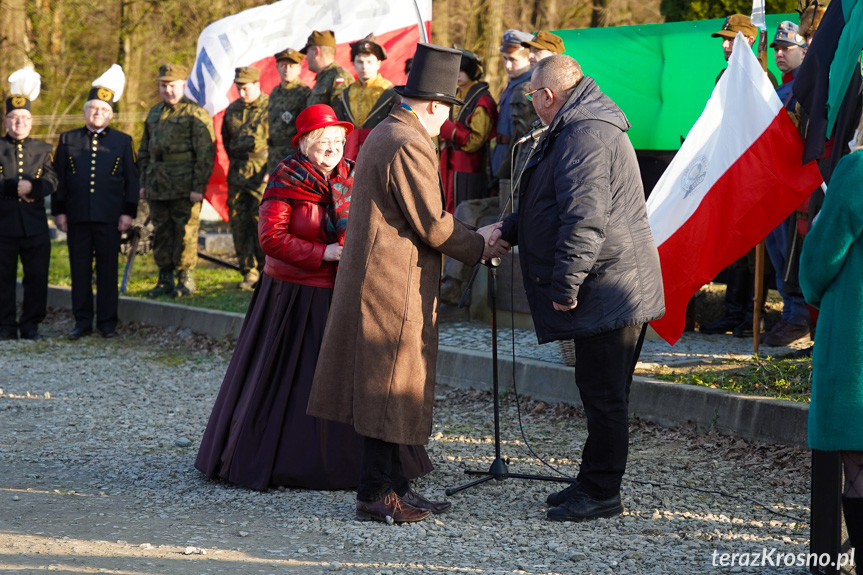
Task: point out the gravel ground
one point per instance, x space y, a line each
98 437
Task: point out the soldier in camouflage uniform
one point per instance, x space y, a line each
176 159
244 135
331 80
287 100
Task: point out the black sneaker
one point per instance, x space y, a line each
723 325
583 507
743 330
563 495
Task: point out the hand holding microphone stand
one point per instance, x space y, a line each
498 469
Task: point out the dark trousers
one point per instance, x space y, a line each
102 240
381 471
35 254
604 365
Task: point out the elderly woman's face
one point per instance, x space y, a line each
327 151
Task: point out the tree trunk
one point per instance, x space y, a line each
440 23
493 34
15 42
598 17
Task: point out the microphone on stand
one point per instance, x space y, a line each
536 129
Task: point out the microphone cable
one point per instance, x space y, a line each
534 134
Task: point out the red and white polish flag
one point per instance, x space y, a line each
252 37
735 178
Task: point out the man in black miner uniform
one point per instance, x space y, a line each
26 178
96 200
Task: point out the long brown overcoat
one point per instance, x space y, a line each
376 369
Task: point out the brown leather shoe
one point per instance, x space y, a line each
414 499
390 509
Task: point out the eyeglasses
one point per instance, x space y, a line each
337 143
530 94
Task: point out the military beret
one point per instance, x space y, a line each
512 40
368 45
543 40
172 72
246 75
290 54
325 38
734 24
786 35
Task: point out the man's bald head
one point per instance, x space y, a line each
552 83
558 73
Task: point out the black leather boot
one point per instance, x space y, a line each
852 507
164 286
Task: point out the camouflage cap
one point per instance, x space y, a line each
368 45
246 75
290 54
734 24
512 40
543 40
325 38
172 72
786 35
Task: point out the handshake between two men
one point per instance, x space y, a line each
494 247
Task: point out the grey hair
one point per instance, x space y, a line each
309 139
559 73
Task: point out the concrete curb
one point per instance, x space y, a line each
666 403
216 324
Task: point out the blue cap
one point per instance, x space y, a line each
787 35
512 40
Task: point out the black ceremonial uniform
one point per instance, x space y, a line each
24 232
98 182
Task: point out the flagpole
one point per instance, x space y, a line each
758 18
423 35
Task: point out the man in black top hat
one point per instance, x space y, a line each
97 199
26 178
382 324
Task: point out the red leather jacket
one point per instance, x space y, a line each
293 239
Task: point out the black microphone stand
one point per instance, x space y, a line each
498 469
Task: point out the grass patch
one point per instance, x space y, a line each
171 359
217 286
782 378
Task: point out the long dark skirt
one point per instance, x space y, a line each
259 434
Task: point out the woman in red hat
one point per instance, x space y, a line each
259 435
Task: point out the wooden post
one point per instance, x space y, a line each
758 299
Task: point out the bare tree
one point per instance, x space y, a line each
15 43
598 17
492 37
440 22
